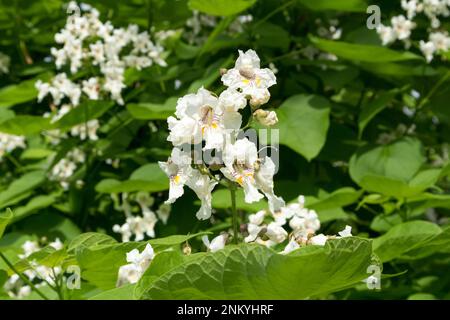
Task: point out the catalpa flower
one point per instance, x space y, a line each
138 263
248 77
178 169
203 116
243 166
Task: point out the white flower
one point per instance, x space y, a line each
347 232
9 142
257 218
29 247
319 240
216 244
86 130
56 244
402 27
138 264
291 246
250 78
178 169
428 49
91 88
276 233
202 185
387 34
441 41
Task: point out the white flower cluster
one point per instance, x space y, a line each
9 142
87 41
63 170
138 262
325 29
5 61
38 274
401 26
303 222
205 118
139 226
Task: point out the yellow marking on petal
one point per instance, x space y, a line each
176 179
258 81
245 81
240 180
214 125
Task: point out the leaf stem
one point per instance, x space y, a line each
234 212
21 276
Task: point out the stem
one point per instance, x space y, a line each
234 213
21 276
426 99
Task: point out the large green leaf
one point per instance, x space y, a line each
148 178
361 52
341 5
403 238
20 186
152 111
100 263
220 7
22 92
395 164
256 272
303 124
221 199
25 125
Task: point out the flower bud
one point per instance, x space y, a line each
187 249
267 118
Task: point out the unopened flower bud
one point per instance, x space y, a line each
187 249
267 118
223 71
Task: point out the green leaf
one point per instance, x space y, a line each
22 92
89 239
341 5
5 218
87 110
361 52
122 293
47 256
370 110
35 204
396 164
337 199
152 111
440 243
256 272
148 178
16 189
403 238
25 125
303 124
100 263
220 7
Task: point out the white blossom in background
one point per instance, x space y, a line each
138 262
86 130
138 227
9 142
40 275
401 26
270 229
5 62
216 244
63 170
108 51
